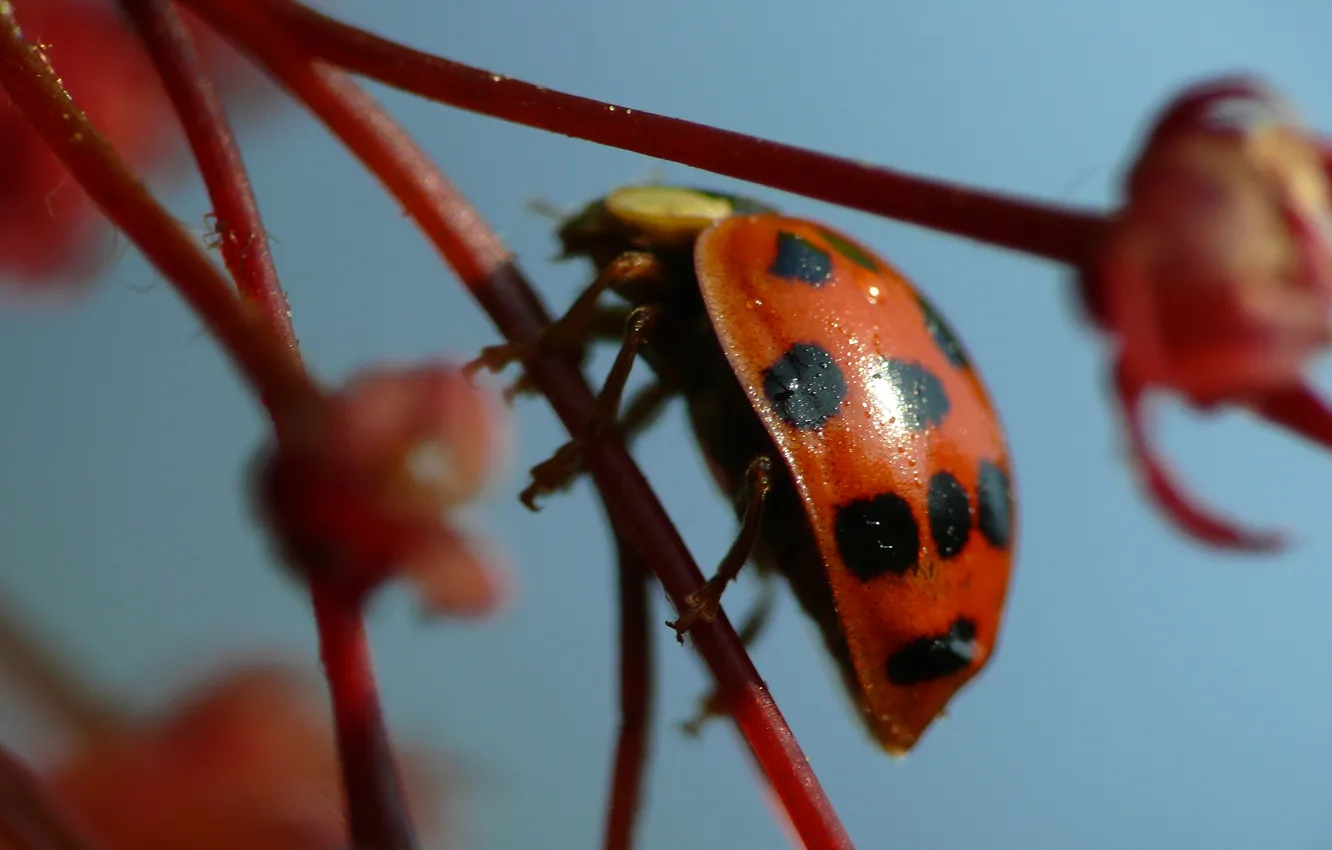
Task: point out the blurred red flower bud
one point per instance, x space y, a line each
1215 281
364 492
245 762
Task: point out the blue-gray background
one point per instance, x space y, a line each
1147 693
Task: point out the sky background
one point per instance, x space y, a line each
1147 692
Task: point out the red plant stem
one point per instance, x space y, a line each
244 242
261 358
272 367
1063 234
376 810
635 698
486 267
30 817
376 814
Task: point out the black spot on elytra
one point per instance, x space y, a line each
943 333
950 514
917 393
799 259
934 656
877 536
805 387
849 249
996 505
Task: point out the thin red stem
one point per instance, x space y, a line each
272 366
377 817
1059 233
376 810
260 356
240 229
485 266
635 678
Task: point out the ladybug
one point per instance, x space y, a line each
869 464
1214 280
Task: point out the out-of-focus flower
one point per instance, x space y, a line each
363 493
1215 281
246 762
49 229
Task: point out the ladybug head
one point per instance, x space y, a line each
648 217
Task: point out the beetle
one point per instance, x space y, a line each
830 395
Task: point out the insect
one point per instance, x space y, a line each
869 465
1215 279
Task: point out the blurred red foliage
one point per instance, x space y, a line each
246 761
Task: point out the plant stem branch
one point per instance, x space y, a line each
626 789
487 269
240 229
259 356
376 810
256 342
1059 233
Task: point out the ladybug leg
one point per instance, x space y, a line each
569 334
1178 506
711 705
606 323
643 409
639 414
556 472
704 603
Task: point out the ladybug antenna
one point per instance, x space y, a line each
656 176
548 209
